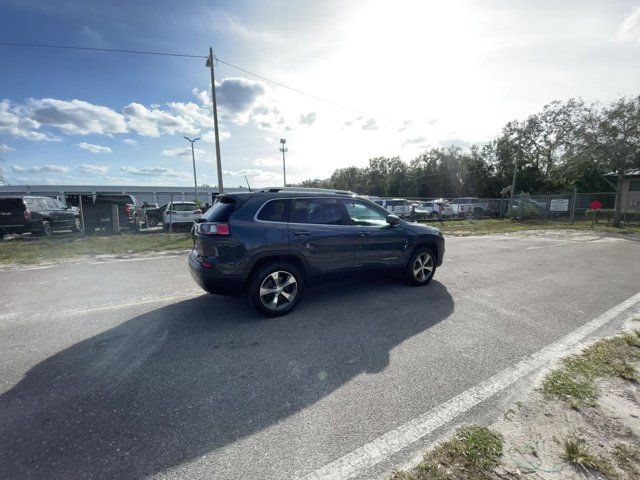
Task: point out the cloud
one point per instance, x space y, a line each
90 147
307 119
16 121
130 141
457 142
267 162
153 172
152 122
5 148
405 125
370 124
237 95
184 152
84 168
41 169
210 137
414 141
629 30
76 117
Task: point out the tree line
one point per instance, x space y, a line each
567 145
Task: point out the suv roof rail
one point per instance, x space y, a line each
306 189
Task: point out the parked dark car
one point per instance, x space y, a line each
98 212
272 243
38 215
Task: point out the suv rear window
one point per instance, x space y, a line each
221 210
184 207
274 211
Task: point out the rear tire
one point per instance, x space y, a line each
421 267
46 229
276 288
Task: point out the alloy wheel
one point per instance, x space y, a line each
278 290
423 266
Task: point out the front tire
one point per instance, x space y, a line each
421 267
276 289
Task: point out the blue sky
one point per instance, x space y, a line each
413 74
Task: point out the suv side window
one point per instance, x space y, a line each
274 211
51 205
365 215
318 211
35 204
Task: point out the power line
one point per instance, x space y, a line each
169 54
114 50
280 84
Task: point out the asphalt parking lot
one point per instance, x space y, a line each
125 369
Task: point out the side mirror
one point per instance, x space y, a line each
393 220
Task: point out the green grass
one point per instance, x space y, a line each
53 249
490 226
578 455
472 453
574 381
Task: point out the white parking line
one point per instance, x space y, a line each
395 440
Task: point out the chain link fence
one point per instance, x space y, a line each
570 207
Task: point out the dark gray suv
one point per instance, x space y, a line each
272 243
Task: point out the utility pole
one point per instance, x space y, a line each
513 183
215 119
283 149
193 157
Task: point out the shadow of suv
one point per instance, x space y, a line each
271 243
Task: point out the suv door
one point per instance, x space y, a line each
318 231
377 244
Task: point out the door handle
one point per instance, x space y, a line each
302 233
363 234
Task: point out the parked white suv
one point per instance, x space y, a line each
397 206
439 208
179 215
463 207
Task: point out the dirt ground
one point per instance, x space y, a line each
534 431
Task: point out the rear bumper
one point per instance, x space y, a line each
212 280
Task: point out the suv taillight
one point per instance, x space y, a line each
127 210
27 214
206 228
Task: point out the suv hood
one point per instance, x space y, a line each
423 229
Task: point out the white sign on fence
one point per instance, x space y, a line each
559 205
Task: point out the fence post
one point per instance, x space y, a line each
626 208
171 215
546 208
81 215
573 204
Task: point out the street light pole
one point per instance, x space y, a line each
215 119
283 149
193 157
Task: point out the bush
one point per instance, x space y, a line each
525 212
606 214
